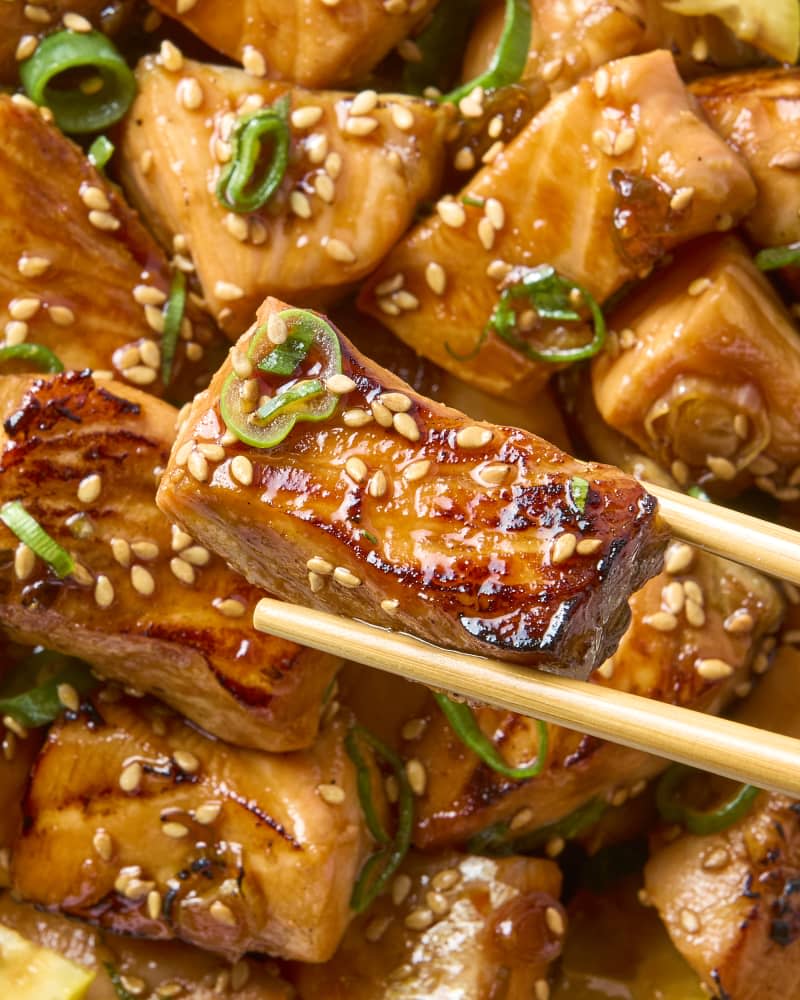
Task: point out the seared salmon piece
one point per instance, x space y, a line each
312 43
79 273
758 114
146 604
119 961
615 172
697 632
709 380
19 33
504 915
569 40
400 511
730 900
357 169
136 821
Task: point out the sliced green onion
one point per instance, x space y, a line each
28 530
38 704
473 201
101 151
697 821
246 142
35 354
579 492
775 257
369 536
440 46
116 981
464 724
288 355
276 418
510 58
699 493
173 318
499 841
307 389
75 111
381 866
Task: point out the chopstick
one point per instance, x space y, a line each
731 749
771 548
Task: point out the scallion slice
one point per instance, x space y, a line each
288 355
237 189
75 111
511 55
28 530
173 317
379 868
440 46
29 694
697 821
774 257
101 151
579 493
34 354
464 724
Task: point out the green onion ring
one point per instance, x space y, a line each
245 151
173 317
464 724
697 821
511 55
74 111
101 151
28 530
774 257
36 354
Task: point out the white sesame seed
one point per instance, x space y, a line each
333 165
378 484
364 102
661 621
242 470
142 581
68 697
213 452
401 887
360 126
253 61
61 315
678 559
495 213
739 622
713 669
382 414
101 841
94 197
306 117
698 286
229 607
588 546
419 919
26 46
625 141
356 418
337 249
197 466
121 551
555 921
472 437
397 402
495 474
186 761
436 277
32 266
689 921
406 426
104 592
416 470
390 605
346 578
89 488
317 147
300 205
417 776
189 93
320 566
207 813
16 333
325 188
222 913
147 295
23 309
717 859
227 291
695 615
563 548
402 117
722 468
332 794
182 570
451 213
356 468
175 830
131 777
24 561
339 384
681 199
390 285
104 221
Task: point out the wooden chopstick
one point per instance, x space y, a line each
731 749
771 548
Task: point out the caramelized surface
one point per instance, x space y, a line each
471 564
710 385
487 936
76 282
149 608
599 217
271 870
360 191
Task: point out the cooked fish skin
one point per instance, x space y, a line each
740 883
156 964
108 16
272 873
336 180
470 564
61 272
657 657
713 349
305 41
572 217
569 39
757 114
149 608
488 933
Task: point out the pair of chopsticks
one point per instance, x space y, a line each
731 749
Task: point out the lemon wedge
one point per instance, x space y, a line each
30 972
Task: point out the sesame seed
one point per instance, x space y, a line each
189 93
333 165
26 46
300 205
142 581
140 375
390 285
360 126
416 470
242 470
16 728
89 488
154 318
413 729
94 197
229 607
101 841
121 551
689 921
681 199
23 309
437 903
146 161
405 300
451 213
337 249
175 830
346 578
317 147
253 61
722 468
131 777
316 582
402 118
186 761
320 566
16 333
227 291
104 221
182 570
154 904
713 669
563 548
401 887
356 418
382 414
237 226
207 813
397 402
495 474
61 315
495 213
693 592
673 597
718 858
695 615
24 561
555 921
787 159
378 484
739 621
388 307
222 914
240 363
325 188
588 546
68 697
406 426
541 990
332 794
307 116
32 266
197 466
419 919
104 592
486 234
464 159
376 928
170 57
436 278
624 141
417 776
678 559
364 102
390 605
213 452
34 12
356 468
339 384
82 575
661 621
277 330
473 437
240 974
698 286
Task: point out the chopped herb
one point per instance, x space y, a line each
469 199
29 694
498 840
579 492
271 408
100 152
699 493
28 530
35 354
697 821
237 189
285 358
369 536
441 45
775 257
173 318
